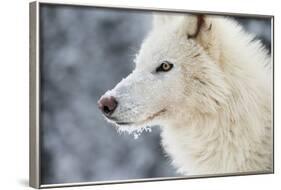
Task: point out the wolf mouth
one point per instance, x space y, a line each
124 123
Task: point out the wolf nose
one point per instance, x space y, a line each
107 105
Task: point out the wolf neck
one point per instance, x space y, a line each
197 145
208 145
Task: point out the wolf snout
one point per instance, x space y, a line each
107 105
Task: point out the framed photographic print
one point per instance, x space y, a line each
130 94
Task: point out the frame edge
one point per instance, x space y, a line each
34 165
34 94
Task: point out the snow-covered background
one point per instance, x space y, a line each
84 52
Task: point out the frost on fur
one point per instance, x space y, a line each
203 79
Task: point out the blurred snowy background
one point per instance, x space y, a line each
84 52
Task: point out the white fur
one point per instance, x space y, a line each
214 106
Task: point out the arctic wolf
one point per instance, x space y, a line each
207 83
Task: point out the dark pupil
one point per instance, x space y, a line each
165 66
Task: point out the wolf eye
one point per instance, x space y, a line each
164 67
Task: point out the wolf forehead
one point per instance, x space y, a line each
171 38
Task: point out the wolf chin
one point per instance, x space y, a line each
208 84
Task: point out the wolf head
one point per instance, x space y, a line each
177 75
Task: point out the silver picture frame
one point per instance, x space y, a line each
34 94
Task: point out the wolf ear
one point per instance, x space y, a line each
196 24
200 28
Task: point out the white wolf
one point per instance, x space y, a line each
208 84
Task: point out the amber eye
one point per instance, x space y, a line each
164 67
